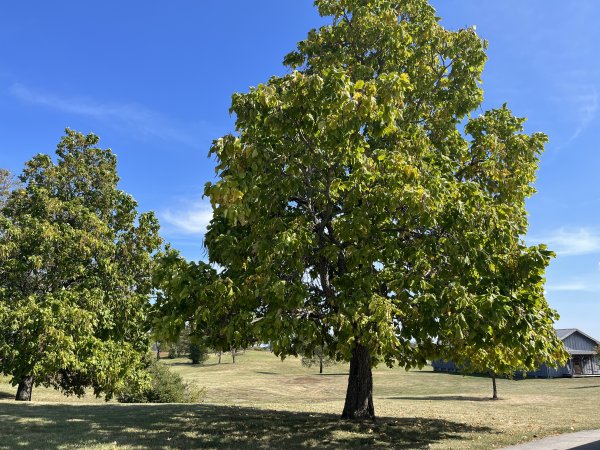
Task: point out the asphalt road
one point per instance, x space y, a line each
582 440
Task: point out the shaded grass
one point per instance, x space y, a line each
211 426
262 402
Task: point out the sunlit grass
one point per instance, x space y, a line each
262 402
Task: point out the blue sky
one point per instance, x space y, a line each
154 81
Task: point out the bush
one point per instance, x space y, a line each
165 387
198 353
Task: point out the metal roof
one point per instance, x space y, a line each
564 333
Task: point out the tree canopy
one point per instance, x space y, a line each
75 274
365 205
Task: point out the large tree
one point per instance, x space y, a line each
75 274
361 207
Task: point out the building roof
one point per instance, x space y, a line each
564 333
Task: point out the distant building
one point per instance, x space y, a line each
583 360
582 351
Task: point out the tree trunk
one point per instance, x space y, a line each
220 353
157 351
321 364
24 389
359 396
233 354
495 391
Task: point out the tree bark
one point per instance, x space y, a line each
359 395
220 353
24 389
321 364
495 391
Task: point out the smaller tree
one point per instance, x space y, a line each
318 357
182 346
512 330
234 353
75 274
198 352
192 299
158 347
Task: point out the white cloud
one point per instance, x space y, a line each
134 117
575 286
567 242
586 104
188 220
569 287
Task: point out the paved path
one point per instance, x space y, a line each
583 440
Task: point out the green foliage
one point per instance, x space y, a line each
8 183
75 273
353 207
194 302
198 352
165 387
182 346
318 358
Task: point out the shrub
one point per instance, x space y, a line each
198 353
165 387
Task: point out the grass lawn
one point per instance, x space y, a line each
262 402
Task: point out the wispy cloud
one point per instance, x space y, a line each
136 118
191 219
568 287
567 242
578 285
573 88
586 105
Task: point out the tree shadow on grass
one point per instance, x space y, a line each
189 364
186 364
212 426
341 374
585 387
6 396
465 398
